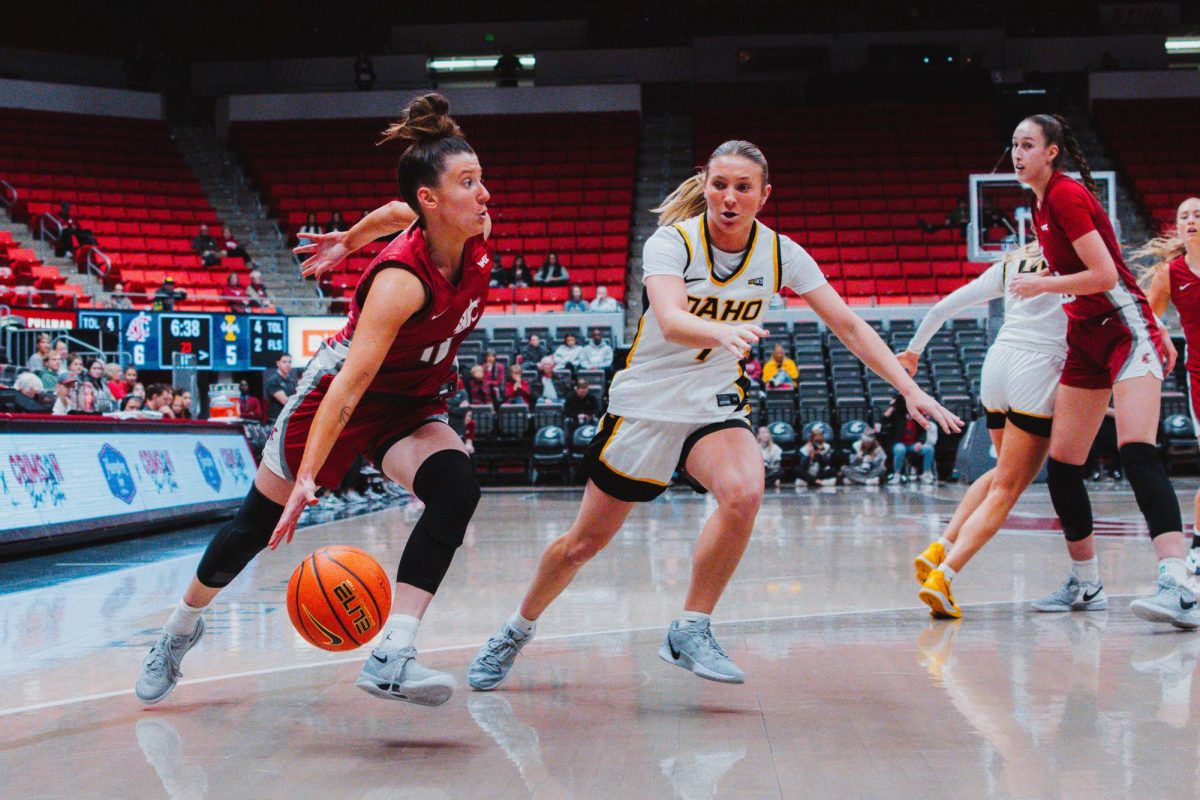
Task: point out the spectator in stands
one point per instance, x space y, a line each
256 291
477 388
603 302
779 369
139 389
815 466
493 377
532 352
508 68
251 407
336 223
132 402
569 354
575 301
42 348
166 296
310 226
279 385
906 438
581 406
522 278
73 234
233 248
64 395
129 381
91 391
50 373
753 368
118 299
868 461
364 73
772 454
181 404
516 388
544 389
501 275
234 294
75 366
597 354
551 272
207 248
158 398
956 218
31 395
112 378
60 347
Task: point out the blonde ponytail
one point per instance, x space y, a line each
1160 251
685 202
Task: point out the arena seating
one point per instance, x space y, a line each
851 183
561 183
26 282
1155 144
127 183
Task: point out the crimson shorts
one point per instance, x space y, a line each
1120 345
1194 395
377 423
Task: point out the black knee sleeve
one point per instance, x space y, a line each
1070 499
1152 488
446 483
239 540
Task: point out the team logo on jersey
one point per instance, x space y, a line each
755 282
483 260
1185 287
1045 226
469 317
729 311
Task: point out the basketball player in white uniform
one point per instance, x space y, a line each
1018 387
681 401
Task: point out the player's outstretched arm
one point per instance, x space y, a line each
327 250
669 304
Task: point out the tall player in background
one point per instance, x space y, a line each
1115 348
377 388
1174 277
680 401
1018 388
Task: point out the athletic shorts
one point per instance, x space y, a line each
1020 386
1120 345
1194 396
378 422
633 459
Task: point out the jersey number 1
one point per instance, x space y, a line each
435 353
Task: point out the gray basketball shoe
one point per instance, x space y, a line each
1171 603
694 648
160 671
1074 596
491 664
393 673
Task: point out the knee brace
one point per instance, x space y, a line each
1152 488
1070 499
239 540
446 483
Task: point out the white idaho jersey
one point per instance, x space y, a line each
1036 324
666 381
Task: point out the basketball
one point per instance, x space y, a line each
338 598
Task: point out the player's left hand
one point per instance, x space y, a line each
304 494
1026 286
1169 347
926 411
327 251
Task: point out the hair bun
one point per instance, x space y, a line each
425 119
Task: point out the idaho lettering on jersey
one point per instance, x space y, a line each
728 311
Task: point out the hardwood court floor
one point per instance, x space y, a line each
851 692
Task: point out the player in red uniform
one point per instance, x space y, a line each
1115 348
1174 277
376 388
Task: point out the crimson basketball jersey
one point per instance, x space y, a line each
420 362
1068 211
1185 294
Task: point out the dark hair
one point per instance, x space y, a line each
1056 131
155 389
430 136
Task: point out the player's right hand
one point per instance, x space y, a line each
327 251
304 494
737 339
909 360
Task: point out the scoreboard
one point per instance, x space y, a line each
231 342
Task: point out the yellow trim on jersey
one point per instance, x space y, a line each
706 244
687 243
778 264
612 437
636 337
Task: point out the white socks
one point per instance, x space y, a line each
402 628
945 543
183 619
946 571
1176 568
525 627
1086 571
692 617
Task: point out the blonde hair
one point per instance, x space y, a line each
1031 252
687 200
1159 251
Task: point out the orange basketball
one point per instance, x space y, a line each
338 598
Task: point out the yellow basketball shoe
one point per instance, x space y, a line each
935 593
929 560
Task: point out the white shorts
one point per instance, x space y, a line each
634 459
1020 386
